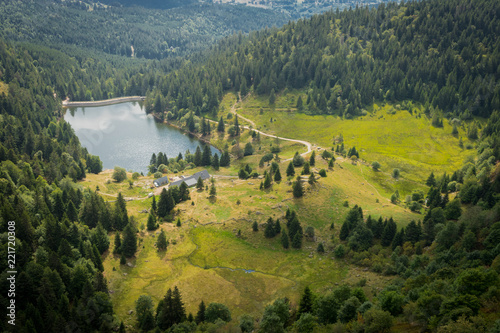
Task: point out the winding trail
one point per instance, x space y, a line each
305 143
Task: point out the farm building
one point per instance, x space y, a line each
160 181
191 180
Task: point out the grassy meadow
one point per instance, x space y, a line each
400 140
207 259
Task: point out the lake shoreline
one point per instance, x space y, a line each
103 102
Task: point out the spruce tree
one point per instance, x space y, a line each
277 175
284 240
215 162
388 233
199 184
206 158
162 204
306 302
178 222
269 232
290 170
297 241
267 181
161 242
298 191
255 226
118 243
197 157
236 126
129 244
312 159
277 227
306 170
151 224
431 181
153 205
200 315
221 127
331 162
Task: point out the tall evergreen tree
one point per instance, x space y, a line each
284 240
298 191
221 127
129 244
162 204
200 315
118 243
151 224
161 242
290 170
306 302
206 158
215 162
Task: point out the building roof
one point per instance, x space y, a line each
160 181
193 179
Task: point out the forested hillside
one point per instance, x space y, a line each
443 55
138 31
440 274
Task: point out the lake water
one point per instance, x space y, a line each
123 135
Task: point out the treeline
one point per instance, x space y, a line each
129 31
442 54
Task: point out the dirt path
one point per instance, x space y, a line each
305 143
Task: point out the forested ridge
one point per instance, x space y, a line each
442 54
138 31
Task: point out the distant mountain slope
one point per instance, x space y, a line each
443 54
138 31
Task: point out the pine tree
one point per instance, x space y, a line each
225 159
277 175
290 170
267 181
184 192
331 162
215 162
388 233
255 226
297 188
277 227
284 240
206 158
213 190
129 244
312 159
297 241
431 181
236 126
306 302
199 184
162 204
306 170
153 205
161 242
221 127
151 224
197 157
269 232
312 179
200 315
398 239
118 243
178 222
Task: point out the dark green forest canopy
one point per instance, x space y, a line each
443 54
148 33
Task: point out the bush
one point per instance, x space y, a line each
375 165
119 174
158 174
322 173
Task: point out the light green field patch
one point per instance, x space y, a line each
400 140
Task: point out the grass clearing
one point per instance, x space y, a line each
400 140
